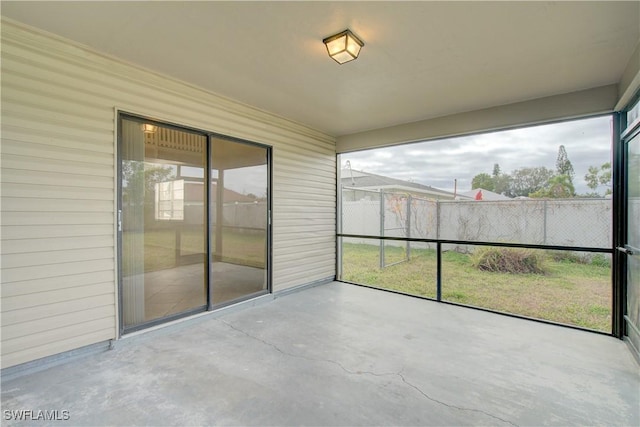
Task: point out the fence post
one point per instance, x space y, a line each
381 228
409 226
439 271
437 219
544 224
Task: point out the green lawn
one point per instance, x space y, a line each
571 292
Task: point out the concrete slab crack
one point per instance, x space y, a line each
312 359
375 374
460 408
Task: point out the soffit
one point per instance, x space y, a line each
420 59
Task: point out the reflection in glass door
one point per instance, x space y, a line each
239 219
188 243
162 222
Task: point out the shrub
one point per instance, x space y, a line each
509 260
601 260
568 256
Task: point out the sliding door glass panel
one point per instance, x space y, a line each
163 222
633 241
239 216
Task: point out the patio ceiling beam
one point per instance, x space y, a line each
588 102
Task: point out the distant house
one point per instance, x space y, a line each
364 183
183 200
481 194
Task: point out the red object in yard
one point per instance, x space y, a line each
479 195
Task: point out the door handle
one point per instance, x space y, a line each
627 251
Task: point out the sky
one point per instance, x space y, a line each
438 163
248 180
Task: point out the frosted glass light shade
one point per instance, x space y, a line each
343 47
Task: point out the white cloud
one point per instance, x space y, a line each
438 163
252 179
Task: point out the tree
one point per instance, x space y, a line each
596 177
563 164
501 181
558 187
139 179
525 181
482 180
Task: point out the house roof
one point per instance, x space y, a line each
367 180
486 195
421 60
194 192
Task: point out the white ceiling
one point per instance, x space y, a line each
420 59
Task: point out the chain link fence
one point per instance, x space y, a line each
553 222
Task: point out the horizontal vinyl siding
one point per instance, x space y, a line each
57 341
37 286
58 186
58 247
297 235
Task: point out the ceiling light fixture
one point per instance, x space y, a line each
343 47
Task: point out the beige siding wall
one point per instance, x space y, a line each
58 187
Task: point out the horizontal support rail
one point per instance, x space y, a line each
630 323
479 308
479 243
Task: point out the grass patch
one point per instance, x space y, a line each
361 264
570 292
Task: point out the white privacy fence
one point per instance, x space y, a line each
245 215
241 215
554 222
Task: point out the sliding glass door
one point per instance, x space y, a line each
631 242
239 219
192 221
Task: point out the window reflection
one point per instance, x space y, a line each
163 223
239 219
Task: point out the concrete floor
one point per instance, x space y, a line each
339 354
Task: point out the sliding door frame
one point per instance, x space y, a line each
627 131
268 244
208 306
